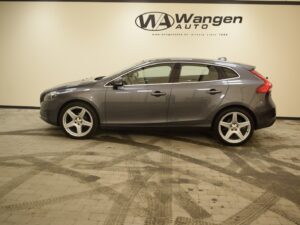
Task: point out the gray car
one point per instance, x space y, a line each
231 98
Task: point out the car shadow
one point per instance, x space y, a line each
172 131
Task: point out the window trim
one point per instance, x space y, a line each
171 64
173 73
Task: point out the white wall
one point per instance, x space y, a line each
43 44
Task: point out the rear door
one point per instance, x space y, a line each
144 98
196 93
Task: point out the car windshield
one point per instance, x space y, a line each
120 72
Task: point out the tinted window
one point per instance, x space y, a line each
149 75
196 73
228 73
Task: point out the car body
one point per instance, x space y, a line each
167 92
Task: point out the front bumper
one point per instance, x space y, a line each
49 112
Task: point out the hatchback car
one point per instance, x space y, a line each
231 98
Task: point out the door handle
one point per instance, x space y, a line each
158 93
213 91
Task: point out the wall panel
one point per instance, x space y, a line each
43 44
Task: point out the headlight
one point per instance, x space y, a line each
50 96
53 94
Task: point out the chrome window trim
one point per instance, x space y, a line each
137 68
174 62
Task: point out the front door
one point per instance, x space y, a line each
143 99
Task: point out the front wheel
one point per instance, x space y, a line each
78 120
234 126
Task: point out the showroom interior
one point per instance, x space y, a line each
181 173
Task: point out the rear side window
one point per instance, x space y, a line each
198 73
228 73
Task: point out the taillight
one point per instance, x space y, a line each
266 86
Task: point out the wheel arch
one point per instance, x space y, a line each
235 106
93 106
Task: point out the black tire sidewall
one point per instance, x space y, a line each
91 111
224 112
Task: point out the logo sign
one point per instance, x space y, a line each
154 21
158 21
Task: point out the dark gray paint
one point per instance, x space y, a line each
185 104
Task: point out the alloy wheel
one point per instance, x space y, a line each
234 127
77 121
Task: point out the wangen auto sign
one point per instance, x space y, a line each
158 21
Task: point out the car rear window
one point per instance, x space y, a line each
228 73
198 73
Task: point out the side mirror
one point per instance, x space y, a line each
117 83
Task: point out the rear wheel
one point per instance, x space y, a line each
234 126
79 120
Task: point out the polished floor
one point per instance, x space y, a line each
146 177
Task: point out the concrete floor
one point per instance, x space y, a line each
147 177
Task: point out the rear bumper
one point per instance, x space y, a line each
265 119
266 114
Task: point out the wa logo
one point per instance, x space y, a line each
154 21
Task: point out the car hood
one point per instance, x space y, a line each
73 84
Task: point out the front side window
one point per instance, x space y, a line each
197 73
148 75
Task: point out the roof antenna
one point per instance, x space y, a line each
222 59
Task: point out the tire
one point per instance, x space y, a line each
79 120
233 126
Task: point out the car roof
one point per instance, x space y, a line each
198 60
